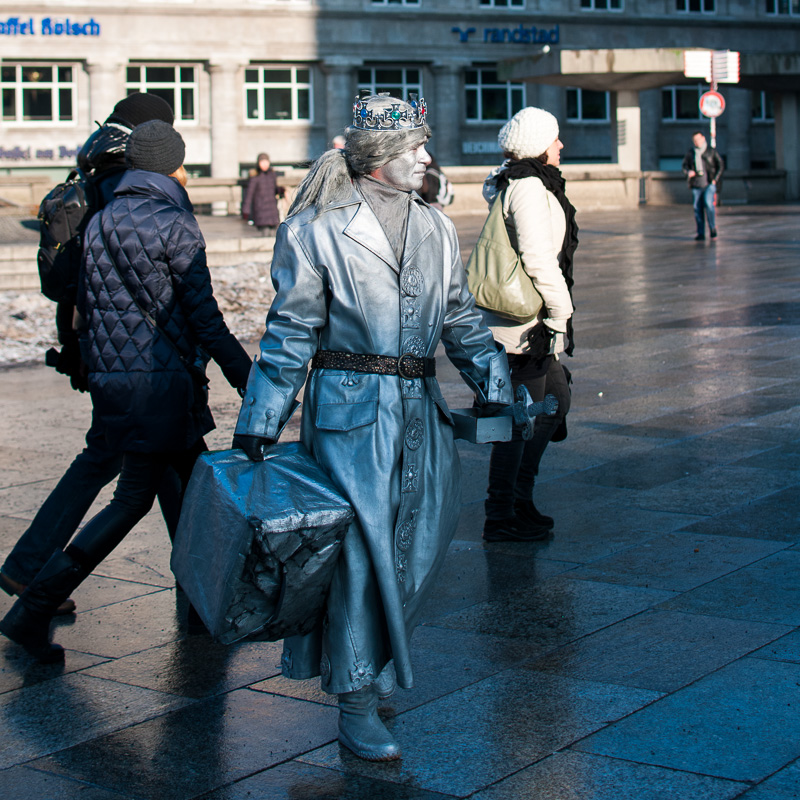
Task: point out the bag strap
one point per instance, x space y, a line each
144 312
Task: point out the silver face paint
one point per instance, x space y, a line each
406 172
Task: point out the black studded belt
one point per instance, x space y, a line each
406 366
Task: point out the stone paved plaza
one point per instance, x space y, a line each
649 650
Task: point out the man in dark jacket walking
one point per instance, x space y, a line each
703 167
150 316
102 160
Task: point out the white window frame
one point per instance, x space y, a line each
414 3
502 4
373 86
580 118
178 86
791 8
760 101
591 5
294 85
56 86
699 88
703 10
511 88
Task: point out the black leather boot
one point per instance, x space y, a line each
527 512
361 729
28 621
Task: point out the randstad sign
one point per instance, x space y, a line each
48 26
520 35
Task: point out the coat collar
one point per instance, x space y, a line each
364 226
153 184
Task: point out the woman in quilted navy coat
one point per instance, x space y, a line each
150 316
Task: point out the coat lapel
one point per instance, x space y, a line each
419 229
365 229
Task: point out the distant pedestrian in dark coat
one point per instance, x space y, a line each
703 168
150 316
260 204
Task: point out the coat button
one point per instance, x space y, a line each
270 414
251 400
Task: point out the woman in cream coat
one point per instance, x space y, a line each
541 226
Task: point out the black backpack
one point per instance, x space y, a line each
63 216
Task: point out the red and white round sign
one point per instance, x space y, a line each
712 104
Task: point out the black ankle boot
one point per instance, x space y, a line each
28 621
527 512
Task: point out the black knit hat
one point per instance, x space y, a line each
137 108
155 146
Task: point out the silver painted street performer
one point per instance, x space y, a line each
369 280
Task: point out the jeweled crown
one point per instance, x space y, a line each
382 112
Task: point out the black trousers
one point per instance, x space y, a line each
514 465
139 481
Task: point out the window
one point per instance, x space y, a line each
783 7
587 105
763 107
395 2
504 3
278 94
490 99
602 5
681 103
175 83
398 81
38 92
695 6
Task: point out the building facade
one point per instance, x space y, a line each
246 76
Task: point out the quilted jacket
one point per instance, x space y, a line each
139 378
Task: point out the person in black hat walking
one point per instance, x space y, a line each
149 318
102 160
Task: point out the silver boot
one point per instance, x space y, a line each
386 682
361 729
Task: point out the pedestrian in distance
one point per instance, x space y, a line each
260 205
148 318
541 227
102 162
368 281
703 167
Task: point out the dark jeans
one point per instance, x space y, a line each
58 518
703 202
514 465
139 481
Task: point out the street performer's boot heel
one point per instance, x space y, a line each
28 621
361 729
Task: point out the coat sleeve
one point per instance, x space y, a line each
247 203
296 316
468 342
529 209
186 255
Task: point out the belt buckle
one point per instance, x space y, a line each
400 371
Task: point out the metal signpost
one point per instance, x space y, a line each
714 66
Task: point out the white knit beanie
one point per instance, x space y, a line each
528 133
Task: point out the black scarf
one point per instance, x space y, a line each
551 177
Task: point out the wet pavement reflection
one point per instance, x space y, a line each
650 650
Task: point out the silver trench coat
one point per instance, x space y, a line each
387 442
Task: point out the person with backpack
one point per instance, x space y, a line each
64 214
148 318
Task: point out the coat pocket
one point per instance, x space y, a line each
344 402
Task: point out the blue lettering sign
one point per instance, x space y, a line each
520 35
14 26
49 26
15 154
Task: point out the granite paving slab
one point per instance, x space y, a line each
296 781
677 561
723 725
660 650
47 717
194 667
23 783
578 776
774 516
18 669
198 748
787 648
767 591
472 738
783 785
554 612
